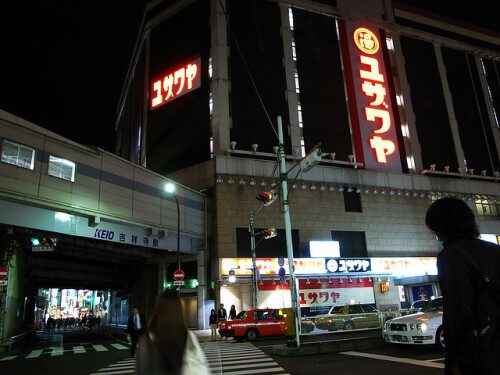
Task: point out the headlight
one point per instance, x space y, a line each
412 327
422 327
388 325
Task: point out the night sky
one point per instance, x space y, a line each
63 63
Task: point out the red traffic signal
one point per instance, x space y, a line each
266 197
270 233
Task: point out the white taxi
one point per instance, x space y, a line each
422 328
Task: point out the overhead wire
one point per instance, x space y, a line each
233 34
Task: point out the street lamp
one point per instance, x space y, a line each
170 188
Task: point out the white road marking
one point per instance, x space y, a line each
114 372
8 358
56 351
100 348
257 371
119 346
35 354
396 359
117 368
79 349
246 360
250 365
436 359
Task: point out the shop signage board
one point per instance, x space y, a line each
373 112
348 265
176 82
270 266
405 267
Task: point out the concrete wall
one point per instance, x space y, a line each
394 226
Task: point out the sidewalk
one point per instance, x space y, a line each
203 335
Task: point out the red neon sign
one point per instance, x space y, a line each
176 83
371 95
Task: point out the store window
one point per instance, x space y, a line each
271 248
18 155
488 209
352 243
61 168
352 201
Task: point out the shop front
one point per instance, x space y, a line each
334 293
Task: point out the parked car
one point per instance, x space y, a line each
349 317
422 328
253 324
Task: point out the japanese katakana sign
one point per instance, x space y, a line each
371 106
339 265
176 82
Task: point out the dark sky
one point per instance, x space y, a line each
63 63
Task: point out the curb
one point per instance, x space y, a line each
329 347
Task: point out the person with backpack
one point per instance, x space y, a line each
469 277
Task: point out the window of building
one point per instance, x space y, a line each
352 243
17 154
272 248
488 209
352 201
61 168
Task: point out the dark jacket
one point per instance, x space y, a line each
131 325
221 314
232 314
460 287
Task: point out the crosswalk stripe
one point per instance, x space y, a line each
217 359
114 372
248 366
123 364
35 353
246 361
100 348
118 368
57 351
256 371
79 349
8 358
119 346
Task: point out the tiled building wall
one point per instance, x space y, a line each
394 226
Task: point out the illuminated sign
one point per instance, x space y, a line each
269 266
405 267
370 99
176 82
348 265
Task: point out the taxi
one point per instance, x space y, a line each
255 323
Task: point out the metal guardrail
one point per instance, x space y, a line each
9 341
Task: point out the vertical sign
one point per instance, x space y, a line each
369 97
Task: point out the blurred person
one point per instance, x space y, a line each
213 325
221 313
135 327
232 312
168 347
469 272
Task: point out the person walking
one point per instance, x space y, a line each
168 347
232 312
213 325
469 277
135 328
221 313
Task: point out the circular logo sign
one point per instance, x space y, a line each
332 265
366 41
179 275
281 261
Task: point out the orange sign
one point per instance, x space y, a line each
366 41
269 266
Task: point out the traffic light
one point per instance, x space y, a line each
267 197
270 233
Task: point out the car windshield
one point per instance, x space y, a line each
434 305
418 304
241 315
336 309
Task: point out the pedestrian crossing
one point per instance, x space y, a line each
125 366
231 358
57 351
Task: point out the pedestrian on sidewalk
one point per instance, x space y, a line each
213 325
469 277
168 347
221 313
135 328
232 312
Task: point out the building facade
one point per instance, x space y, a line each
404 103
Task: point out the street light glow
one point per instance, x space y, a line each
170 187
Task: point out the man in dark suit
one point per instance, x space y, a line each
135 327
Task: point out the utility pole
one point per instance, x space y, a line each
288 228
251 229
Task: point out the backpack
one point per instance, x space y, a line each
486 316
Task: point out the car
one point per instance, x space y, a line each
349 317
254 323
422 328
